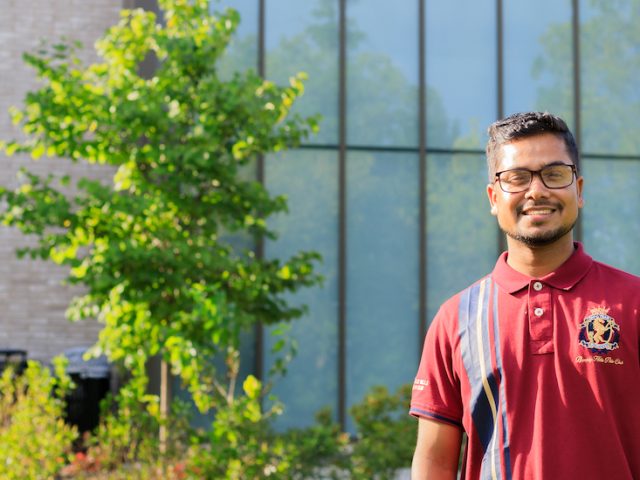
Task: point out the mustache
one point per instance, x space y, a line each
542 204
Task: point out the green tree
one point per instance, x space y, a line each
153 247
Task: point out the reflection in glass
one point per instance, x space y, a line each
247 367
461 72
309 180
609 76
382 271
242 53
461 232
305 39
538 57
612 203
382 73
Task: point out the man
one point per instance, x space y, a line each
539 361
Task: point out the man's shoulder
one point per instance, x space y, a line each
452 303
608 274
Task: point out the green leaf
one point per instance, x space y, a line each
10 148
251 387
38 151
285 272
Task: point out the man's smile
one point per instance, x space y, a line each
537 210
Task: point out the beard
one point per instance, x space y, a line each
542 239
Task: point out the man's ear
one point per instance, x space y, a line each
491 193
579 186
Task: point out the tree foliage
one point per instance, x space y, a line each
154 245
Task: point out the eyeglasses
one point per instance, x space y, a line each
553 176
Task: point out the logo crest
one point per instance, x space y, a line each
599 332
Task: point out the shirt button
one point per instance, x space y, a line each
537 286
538 312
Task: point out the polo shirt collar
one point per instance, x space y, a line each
564 277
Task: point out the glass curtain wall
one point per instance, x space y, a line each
392 190
609 105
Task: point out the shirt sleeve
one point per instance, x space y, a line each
436 389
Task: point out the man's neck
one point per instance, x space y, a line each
539 261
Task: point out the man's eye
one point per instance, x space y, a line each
553 174
517 177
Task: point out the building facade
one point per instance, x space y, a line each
33 300
391 191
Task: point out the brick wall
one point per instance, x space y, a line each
32 299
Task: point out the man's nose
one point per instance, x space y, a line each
537 188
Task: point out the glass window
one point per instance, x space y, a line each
609 77
612 203
242 53
462 234
538 57
247 367
382 271
309 180
303 37
382 73
461 72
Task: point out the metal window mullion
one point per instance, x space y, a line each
502 241
260 177
342 214
500 58
422 176
577 94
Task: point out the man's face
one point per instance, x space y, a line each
538 216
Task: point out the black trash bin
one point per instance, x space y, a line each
15 358
91 378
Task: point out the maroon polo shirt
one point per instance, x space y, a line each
543 374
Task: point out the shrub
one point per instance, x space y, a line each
242 443
126 442
319 451
386 434
34 440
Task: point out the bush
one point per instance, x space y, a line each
34 440
386 434
242 443
319 451
126 442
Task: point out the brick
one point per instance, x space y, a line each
32 299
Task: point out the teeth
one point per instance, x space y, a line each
538 212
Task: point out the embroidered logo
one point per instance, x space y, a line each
599 332
420 384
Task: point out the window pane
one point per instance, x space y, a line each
247 367
242 52
382 73
309 180
538 59
382 271
461 232
303 37
612 203
609 39
461 72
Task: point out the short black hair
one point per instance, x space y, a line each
526 124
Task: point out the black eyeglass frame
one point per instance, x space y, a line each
574 174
